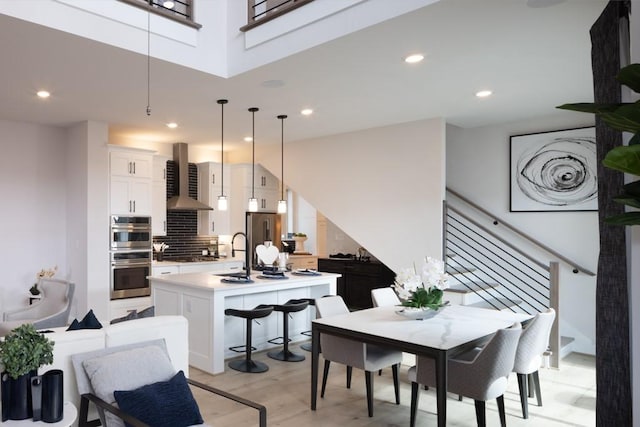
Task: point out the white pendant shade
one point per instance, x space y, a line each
282 206
253 205
222 203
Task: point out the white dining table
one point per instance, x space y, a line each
453 330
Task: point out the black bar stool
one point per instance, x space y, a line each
248 365
307 346
291 306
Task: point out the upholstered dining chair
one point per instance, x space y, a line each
50 312
480 374
384 297
533 343
369 358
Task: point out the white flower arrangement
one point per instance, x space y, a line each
423 289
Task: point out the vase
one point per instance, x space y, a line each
417 313
299 244
16 397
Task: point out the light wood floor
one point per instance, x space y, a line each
568 398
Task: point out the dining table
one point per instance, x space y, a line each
453 330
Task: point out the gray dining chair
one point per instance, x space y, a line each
534 341
382 297
354 354
480 374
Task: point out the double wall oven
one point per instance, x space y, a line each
130 253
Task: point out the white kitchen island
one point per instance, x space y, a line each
202 298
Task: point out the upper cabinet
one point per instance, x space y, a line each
159 196
130 181
214 222
265 189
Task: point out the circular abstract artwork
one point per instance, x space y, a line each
558 172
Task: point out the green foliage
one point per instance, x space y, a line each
421 297
624 117
25 350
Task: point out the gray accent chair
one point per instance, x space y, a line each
368 357
534 341
51 311
480 374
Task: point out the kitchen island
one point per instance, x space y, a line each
203 297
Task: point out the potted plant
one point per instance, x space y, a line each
22 352
299 239
623 117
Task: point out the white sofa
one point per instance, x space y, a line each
173 329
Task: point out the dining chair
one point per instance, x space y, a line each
352 353
51 311
480 374
534 341
382 297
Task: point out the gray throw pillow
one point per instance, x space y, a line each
133 314
126 370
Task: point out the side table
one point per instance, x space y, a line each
69 416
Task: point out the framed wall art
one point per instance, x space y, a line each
554 171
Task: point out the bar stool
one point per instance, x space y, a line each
307 346
248 365
291 306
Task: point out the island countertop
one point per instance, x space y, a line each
213 281
203 298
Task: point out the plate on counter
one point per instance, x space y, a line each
272 276
237 280
305 272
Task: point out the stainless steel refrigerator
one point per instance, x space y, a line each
262 227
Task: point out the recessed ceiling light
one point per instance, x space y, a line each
414 59
43 94
168 4
306 112
172 125
248 139
483 93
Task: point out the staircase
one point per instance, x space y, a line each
487 269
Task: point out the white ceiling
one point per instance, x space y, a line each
533 58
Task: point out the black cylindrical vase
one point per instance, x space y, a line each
52 396
16 397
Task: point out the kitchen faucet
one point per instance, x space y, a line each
245 250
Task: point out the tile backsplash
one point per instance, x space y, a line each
182 226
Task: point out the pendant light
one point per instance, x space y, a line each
222 199
253 202
282 203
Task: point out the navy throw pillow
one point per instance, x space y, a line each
162 404
90 321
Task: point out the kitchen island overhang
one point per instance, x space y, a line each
202 298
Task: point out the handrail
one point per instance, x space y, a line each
271 12
496 221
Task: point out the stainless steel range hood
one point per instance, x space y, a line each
182 202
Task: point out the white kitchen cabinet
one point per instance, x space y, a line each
130 196
130 181
122 307
194 267
164 269
130 163
266 190
159 196
214 222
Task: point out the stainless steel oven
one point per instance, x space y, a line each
129 271
130 232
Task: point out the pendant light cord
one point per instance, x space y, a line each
148 63
282 117
222 102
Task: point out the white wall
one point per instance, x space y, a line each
33 214
478 168
383 186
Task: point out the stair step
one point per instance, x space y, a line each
566 346
501 303
471 287
455 269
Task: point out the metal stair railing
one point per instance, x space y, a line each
502 275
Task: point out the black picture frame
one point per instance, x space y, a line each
554 171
